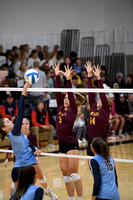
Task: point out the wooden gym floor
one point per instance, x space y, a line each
51 169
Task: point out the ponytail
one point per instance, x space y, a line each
101 148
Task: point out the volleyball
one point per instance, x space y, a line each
31 76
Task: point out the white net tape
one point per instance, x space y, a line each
69 90
70 156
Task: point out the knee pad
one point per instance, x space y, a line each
75 177
66 179
13 185
43 180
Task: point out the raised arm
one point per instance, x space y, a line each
103 97
59 97
69 85
91 95
17 126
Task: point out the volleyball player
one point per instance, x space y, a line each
68 143
23 150
99 108
27 190
103 170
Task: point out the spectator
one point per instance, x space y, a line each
34 97
85 81
83 73
26 50
18 63
45 51
20 74
14 54
86 112
115 119
26 185
129 81
58 58
73 57
40 122
80 127
2 58
79 66
66 62
119 81
9 108
39 51
32 58
122 108
47 60
74 74
55 50
74 82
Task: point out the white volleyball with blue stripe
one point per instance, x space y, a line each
31 76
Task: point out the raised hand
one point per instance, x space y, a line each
89 68
67 72
57 69
97 71
25 87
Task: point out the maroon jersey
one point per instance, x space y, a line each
98 119
65 119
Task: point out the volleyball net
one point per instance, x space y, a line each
121 148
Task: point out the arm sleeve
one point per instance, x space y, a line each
91 95
103 97
59 97
8 155
34 148
71 98
47 119
3 112
39 194
17 125
34 119
116 179
96 174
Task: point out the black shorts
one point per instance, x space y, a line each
65 147
14 174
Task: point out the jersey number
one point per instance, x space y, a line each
92 120
109 166
60 120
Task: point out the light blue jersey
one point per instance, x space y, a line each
108 188
24 155
30 193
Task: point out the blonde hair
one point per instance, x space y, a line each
79 98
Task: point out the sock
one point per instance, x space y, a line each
71 198
120 131
113 133
80 198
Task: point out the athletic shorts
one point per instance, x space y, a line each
14 174
65 147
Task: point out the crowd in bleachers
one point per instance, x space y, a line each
16 61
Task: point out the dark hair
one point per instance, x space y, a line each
14 48
2 133
101 148
25 178
60 53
